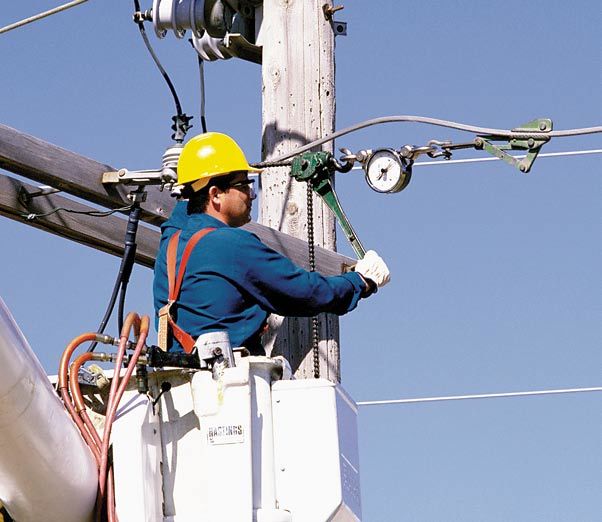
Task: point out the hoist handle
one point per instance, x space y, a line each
327 193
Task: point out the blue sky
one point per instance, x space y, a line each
495 275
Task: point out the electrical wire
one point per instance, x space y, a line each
479 396
166 77
502 133
107 315
124 273
202 81
93 213
478 160
41 15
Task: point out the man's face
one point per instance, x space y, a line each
237 200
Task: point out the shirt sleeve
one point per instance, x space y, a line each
282 287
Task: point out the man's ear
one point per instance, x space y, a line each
214 192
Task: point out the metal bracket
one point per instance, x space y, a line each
317 168
85 376
340 28
165 176
134 177
538 128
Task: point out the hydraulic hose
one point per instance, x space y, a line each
118 386
131 319
78 399
123 382
63 383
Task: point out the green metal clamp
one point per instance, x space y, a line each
537 128
316 168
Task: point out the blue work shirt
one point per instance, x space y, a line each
233 282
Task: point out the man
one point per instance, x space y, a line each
232 280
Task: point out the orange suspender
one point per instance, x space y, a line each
175 284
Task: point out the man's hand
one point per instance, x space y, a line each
374 270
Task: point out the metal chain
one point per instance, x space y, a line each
312 268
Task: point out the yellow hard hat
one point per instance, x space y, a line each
210 155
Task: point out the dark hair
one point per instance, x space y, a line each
198 201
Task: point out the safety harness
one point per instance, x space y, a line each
166 322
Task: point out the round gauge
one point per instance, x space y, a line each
387 171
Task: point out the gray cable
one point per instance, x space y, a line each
502 133
438 163
41 15
480 396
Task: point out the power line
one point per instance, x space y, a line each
480 396
483 131
41 15
478 160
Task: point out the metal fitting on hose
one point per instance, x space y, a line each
105 339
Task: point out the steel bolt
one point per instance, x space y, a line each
531 142
522 167
543 126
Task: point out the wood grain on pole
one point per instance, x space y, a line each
298 107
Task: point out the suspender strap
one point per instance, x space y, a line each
175 283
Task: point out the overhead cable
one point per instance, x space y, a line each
92 213
202 82
479 396
139 21
41 15
478 160
502 133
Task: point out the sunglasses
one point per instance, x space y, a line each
245 183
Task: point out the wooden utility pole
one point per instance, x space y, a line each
298 107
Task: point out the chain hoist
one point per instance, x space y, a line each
315 342
316 169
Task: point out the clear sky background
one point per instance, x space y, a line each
495 275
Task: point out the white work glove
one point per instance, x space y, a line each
373 269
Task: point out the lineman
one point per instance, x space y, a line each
232 281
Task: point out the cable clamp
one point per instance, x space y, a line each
530 137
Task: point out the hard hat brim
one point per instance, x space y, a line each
200 184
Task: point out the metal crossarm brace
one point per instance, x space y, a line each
316 168
537 128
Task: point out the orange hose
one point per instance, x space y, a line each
71 347
131 320
78 399
111 511
63 379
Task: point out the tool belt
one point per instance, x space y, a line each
166 323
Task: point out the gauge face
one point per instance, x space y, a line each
385 171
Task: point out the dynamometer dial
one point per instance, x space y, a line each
386 171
